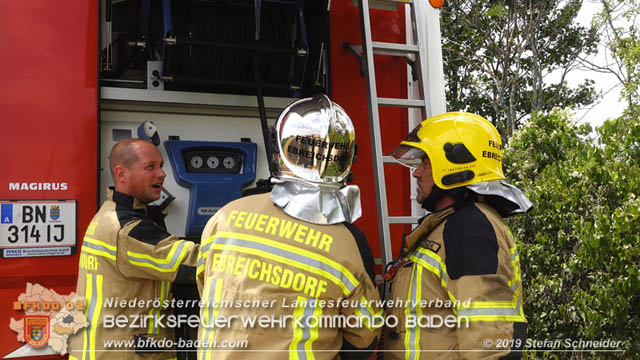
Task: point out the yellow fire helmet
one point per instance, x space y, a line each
463 149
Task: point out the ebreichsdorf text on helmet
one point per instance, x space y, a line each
316 141
463 149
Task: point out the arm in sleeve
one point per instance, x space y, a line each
486 282
206 242
369 308
146 250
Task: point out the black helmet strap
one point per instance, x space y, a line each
460 193
429 203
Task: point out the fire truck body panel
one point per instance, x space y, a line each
57 125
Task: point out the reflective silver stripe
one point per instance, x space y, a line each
155 312
306 330
516 269
98 247
203 250
94 283
90 311
170 265
369 315
366 313
510 311
290 255
433 262
210 303
411 353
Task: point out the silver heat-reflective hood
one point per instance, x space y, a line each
323 204
504 190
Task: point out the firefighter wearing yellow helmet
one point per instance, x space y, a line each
458 278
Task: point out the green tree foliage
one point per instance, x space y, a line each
498 55
579 245
619 26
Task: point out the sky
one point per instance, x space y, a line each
608 106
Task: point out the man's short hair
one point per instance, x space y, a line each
123 153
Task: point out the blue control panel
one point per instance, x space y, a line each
215 173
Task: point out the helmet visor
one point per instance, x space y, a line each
408 156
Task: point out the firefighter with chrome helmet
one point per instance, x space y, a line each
293 254
457 285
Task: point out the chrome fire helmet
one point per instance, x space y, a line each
316 141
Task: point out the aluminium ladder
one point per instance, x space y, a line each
425 104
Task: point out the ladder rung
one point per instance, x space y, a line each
385 48
401 102
380 51
394 1
385 4
403 219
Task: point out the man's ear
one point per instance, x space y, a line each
120 173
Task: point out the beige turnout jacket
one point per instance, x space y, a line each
256 262
127 264
461 286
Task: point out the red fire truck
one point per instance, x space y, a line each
79 75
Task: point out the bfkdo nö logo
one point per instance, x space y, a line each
36 330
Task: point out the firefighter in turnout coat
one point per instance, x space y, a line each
293 253
457 285
128 258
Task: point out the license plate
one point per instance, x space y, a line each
37 224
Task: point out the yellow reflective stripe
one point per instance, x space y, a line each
202 255
168 264
286 254
297 331
368 307
101 243
152 321
284 260
99 253
100 248
155 312
301 346
87 331
515 264
212 297
366 314
71 357
306 253
508 230
433 263
507 310
199 270
490 304
314 333
412 335
499 310
90 230
367 320
205 315
418 309
93 293
515 313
